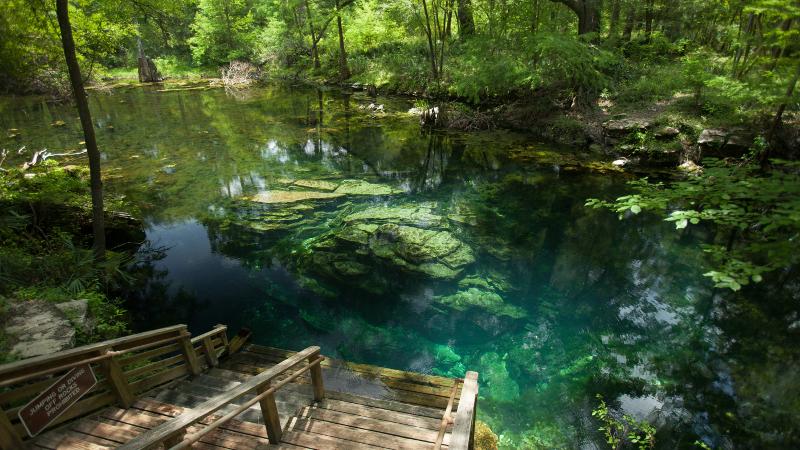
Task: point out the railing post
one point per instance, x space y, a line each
211 353
463 434
118 381
270 411
9 439
188 351
316 378
223 335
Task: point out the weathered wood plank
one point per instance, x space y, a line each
161 378
148 354
463 427
322 442
387 404
118 382
380 414
354 434
366 423
251 363
171 411
153 367
53 439
383 372
162 432
191 355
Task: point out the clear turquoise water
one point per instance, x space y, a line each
577 302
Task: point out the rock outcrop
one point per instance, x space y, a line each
40 328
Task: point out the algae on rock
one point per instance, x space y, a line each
482 299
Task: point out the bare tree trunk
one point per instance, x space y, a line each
98 219
588 12
431 47
615 13
314 48
630 21
344 71
648 19
776 123
466 22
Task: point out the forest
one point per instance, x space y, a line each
595 204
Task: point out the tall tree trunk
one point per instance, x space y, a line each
776 123
98 218
615 13
649 14
630 21
344 70
431 47
314 40
588 12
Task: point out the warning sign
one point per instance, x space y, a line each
47 406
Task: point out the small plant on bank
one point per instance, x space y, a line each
625 431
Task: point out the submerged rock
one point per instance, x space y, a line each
320 185
407 237
270 197
418 215
437 254
485 300
361 187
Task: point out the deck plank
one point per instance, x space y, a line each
354 434
380 414
366 423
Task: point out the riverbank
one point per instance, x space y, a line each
53 295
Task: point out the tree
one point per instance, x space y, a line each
588 12
223 31
466 22
98 217
344 70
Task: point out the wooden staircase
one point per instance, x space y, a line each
244 395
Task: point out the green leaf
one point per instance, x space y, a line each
636 209
681 224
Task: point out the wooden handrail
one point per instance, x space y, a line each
24 379
186 443
172 432
447 419
464 426
76 354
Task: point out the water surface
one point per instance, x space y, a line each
551 302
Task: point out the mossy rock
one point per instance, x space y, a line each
482 299
418 215
485 439
438 254
276 197
500 387
361 187
319 185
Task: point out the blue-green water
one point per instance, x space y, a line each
464 252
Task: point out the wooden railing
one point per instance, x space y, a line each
463 436
172 434
124 367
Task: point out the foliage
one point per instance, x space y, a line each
223 31
755 215
626 430
43 253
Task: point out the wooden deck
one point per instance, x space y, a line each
363 407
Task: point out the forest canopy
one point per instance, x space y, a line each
733 57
